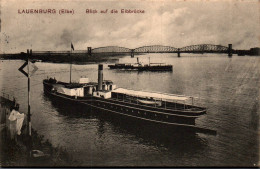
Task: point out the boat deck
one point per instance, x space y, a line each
152 95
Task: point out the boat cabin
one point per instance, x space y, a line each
107 87
152 98
84 88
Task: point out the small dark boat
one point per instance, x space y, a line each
142 67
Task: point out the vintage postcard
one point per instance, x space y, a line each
129 83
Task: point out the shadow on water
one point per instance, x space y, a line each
174 140
68 110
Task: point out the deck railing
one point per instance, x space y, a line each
134 99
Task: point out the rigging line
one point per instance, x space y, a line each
77 71
17 89
50 73
20 76
10 80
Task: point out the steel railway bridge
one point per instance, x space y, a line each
203 48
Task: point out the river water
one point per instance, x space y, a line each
228 87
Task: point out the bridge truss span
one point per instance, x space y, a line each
204 48
156 49
111 49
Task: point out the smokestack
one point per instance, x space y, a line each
100 76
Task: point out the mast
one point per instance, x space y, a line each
71 47
70 63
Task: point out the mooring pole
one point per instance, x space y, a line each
29 125
29 53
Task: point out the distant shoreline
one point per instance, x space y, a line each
75 58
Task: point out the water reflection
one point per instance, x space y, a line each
68 110
174 140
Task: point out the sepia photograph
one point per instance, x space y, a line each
129 83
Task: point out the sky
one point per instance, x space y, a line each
176 23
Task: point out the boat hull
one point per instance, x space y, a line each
126 113
142 68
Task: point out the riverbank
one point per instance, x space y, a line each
14 148
14 153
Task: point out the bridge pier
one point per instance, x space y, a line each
179 53
229 50
89 50
132 53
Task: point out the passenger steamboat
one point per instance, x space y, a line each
142 67
103 96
